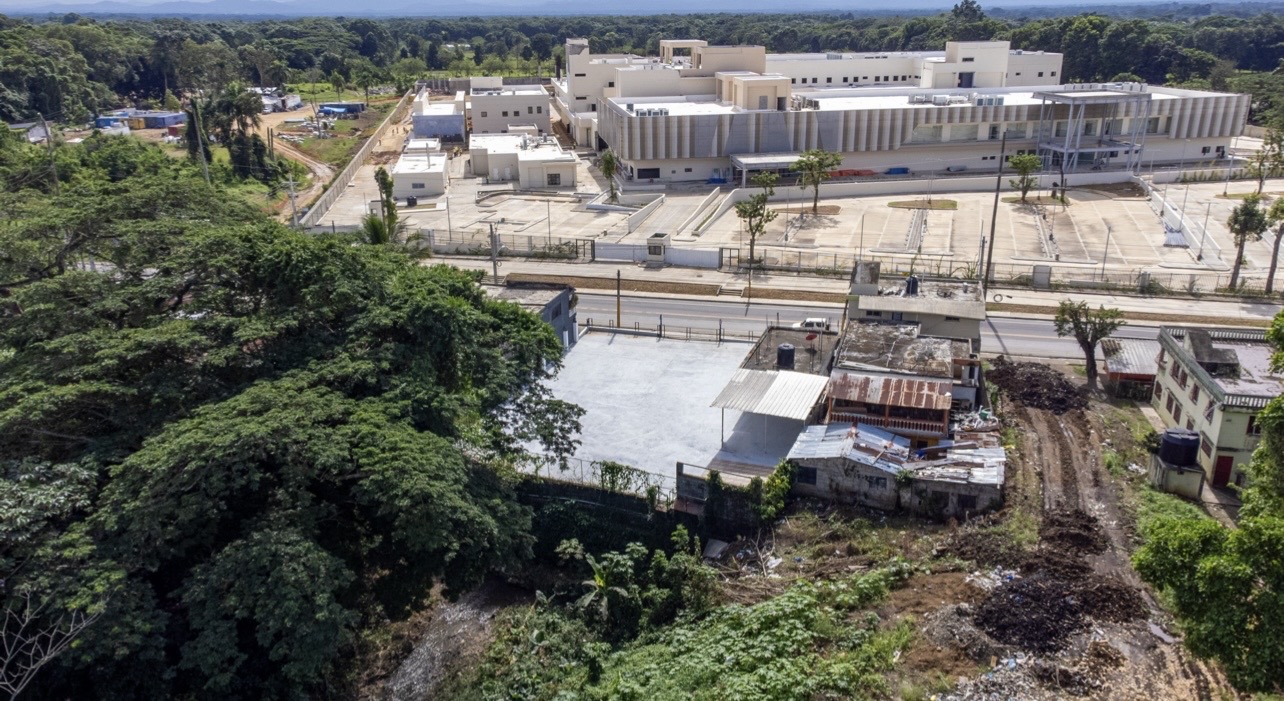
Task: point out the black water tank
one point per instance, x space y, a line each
911 286
412 201
785 356
1179 447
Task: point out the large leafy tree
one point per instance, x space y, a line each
1247 222
282 438
1025 165
1088 327
813 168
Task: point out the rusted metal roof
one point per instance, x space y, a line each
890 391
1131 356
786 394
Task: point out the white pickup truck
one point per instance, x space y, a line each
814 324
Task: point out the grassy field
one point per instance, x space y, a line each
348 135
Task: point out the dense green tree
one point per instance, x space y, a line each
1088 327
1025 165
813 168
261 441
1247 222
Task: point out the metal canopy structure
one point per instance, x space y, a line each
1063 121
747 162
786 394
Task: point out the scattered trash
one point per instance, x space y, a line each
989 580
715 548
1135 468
773 563
1159 633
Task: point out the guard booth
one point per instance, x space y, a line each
656 245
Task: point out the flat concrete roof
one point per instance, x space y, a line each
898 348
440 109
647 404
539 297
812 350
419 163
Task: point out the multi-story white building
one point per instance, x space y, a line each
688 67
733 131
1215 382
494 108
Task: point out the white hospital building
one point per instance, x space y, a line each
722 112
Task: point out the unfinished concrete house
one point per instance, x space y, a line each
865 465
945 308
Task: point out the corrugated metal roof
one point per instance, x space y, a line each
877 448
861 443
871 389
787 394
1130 356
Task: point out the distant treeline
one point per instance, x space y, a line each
74 66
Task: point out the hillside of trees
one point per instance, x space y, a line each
72 67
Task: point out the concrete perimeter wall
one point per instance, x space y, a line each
340 182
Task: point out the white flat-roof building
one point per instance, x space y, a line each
720 136
443 119
535 162
686 67
495 108
420 171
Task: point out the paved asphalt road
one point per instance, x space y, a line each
1008 335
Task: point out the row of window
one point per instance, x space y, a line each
863 79
538 109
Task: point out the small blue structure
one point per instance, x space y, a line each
108 122
344 107
160 120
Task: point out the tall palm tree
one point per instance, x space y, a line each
609 164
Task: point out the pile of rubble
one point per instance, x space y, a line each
1037 385
1058 591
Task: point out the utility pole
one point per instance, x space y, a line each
548 205
53 163
994 215
494 253
1105 254
200 138
1204 238
448 235
860 254
294 205
617 298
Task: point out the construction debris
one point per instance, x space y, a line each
1037 613
1037 385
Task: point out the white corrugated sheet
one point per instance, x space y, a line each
784 393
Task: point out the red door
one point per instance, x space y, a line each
1222 470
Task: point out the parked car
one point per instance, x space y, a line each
813 324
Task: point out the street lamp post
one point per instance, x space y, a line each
1204 238
1105 254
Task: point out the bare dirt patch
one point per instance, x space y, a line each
1037 385
824 209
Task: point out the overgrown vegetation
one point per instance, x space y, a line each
811 642
228 447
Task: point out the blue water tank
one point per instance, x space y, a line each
911 286
785 356
1180 447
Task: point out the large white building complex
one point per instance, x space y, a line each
725 111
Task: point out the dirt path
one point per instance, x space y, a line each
1067 451
322 173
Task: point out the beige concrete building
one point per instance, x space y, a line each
687 67
1214 382
944 308
534 162
1124 126
495 108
